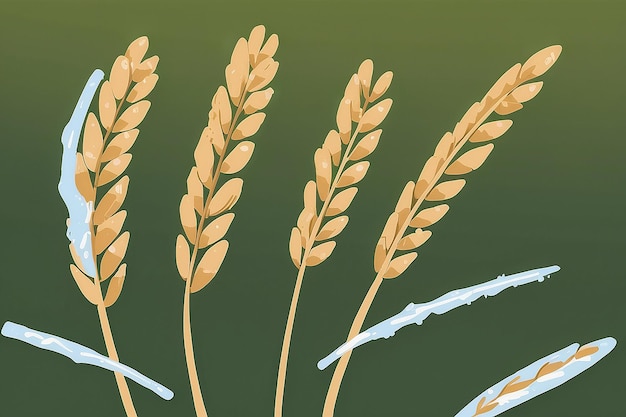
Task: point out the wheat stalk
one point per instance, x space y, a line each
101 162
251 69
338 164
505 96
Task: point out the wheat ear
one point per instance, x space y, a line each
338 164
251 69
101 162
505 96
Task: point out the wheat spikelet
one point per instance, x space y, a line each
251 69
103 246
339 164
505 96
102 161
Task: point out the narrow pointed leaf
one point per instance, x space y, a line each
120 76
216 230
111 201
323 172
226 196
85 284
114 169
142 88
295 247
381 86
108 230
320 253
429 216
237 159
209 265
113 256
332 228
120 144
470 160
132 116
353 174
375 115
446 190
491 130
399 265
365 146
540 62
115 286
248 126
92 142
341 201
183 257
332 144
414 240
188 217
106 105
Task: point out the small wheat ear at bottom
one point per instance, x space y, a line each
339 164
105 157
505 96
252 67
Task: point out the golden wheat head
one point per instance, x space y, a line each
104 158
339 164
505 96
251 69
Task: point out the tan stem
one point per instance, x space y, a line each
335 383
122 386
196 393
284 353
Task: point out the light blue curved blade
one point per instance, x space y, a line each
528 383
417 313
78 230
81 354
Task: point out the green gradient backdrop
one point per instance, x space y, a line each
552 192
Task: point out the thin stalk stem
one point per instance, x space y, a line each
122 386
196 392
284 353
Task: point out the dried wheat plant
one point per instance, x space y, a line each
339 164
103 159
251 69
505 96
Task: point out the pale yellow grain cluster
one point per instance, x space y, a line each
340 164
106 143
235 115
505 96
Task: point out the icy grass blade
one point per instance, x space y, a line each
543 375
79 210
417 313
81 354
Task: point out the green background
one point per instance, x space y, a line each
551 193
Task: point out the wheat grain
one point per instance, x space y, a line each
251 68
338 164
505 96
100 163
